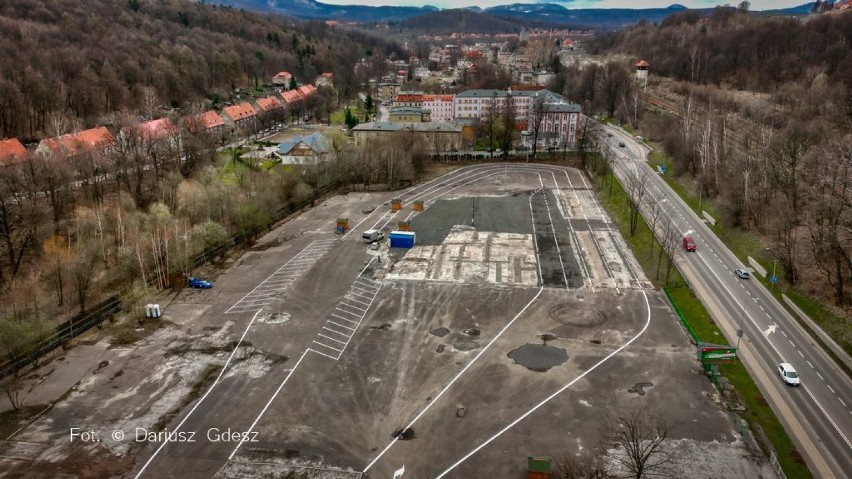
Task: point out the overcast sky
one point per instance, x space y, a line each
755 4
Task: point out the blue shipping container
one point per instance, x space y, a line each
401 239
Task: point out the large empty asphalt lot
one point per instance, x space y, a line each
514 328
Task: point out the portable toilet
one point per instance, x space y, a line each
396 204
418 205
401 239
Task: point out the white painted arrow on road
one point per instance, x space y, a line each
770 330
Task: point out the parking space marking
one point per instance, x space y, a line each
344 319
282 278
335 331
326 345
329 337
340 325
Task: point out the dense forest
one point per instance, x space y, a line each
756 120
86 59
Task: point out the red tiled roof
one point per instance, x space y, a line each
284 75
204 121
269 103
409 98
306 90
291 96
157 129
240 112
86 140
642 63
437 98
11 152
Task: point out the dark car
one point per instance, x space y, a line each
621 144
199 283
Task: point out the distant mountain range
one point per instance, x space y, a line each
548 12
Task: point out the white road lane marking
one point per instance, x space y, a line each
558 392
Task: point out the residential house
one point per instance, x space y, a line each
436 137
294 103
283 79
441 107
388 91
559 124
242 115
12 152
305 150
409 114
270 110
408 98
156 139
307 90
477 103
208 122
291 97
326 79
72 145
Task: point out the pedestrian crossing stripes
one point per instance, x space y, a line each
277 282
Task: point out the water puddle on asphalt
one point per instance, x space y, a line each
538 357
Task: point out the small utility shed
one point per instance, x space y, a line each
401 239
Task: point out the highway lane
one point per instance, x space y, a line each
818 415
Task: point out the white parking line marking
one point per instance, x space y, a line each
820 377
841 401
351 305
215 382
830 389
251 428
344 319
782 332
809 364
326 345
800 353
340 325
329 337
335 332
355 300
349 312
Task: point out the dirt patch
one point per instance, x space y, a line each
11 421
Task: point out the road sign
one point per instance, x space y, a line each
773 279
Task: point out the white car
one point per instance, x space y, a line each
788 374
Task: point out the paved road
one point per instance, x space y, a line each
817 415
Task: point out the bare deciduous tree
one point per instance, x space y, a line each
639 442
636 187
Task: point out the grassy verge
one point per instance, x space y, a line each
758 414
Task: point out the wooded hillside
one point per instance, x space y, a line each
740 50
84 59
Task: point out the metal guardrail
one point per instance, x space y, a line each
107 308
680 316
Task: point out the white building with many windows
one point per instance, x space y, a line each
441 106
